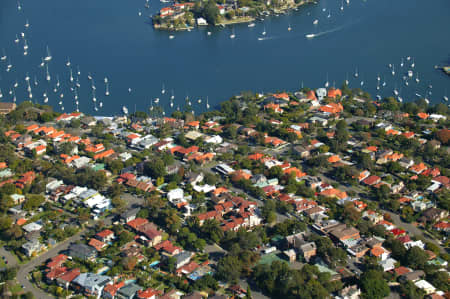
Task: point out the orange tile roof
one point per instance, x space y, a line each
334 159
105 154
423 115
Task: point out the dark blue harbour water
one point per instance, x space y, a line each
107 38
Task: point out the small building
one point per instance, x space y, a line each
290 254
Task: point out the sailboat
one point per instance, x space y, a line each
395 91
348 1
346 80
356 73
17 39
78 70
47 75
94 99
264 31
401 63
156 101
16 84
57 81
27 24
327 83
49 56
199 101
413 64
68 62
107 89
125 110
100 104
393 70
410 73
71 75
417 77
289 27
19 7
172 96
163 90
232 34
3 57
1 94
329 14
207 104
42 63
315 22
25 45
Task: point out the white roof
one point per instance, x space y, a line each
423 284
31 227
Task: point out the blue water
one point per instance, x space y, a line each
108 38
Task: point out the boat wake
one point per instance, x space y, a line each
314 35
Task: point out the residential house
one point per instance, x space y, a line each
129 291
91 284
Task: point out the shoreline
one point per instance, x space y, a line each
240 20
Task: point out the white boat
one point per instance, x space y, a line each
362 82
378 78
209 33
16 84
264 31
172 97
42 63
427 101
163 90
105 80
45 100
27 24
17 39
139 13
171 103
25 45
19 7
62 108
49 56
408 58
327 83
329 14
395 91
315 22
60 103
417 77
129 89
27 77
89 76
3 57
68 62
100 104
1 94
171 36
289 28
22 34
125 110
107 90
232 36
410 73
78 71
402 63
30 95
445 98
311 35
406 83
400 99
57 81
324 9
413 64
356 73
342 5
199 101
348 1
71 75
156 100
61 95
207 103
47 75
393 71
251 25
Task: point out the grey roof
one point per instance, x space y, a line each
81 251
91 281
129 290
130 213
183 256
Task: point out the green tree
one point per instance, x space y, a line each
373 285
